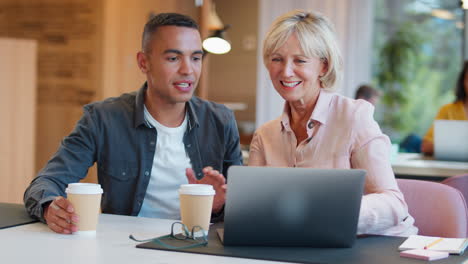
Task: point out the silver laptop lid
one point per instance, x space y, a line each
451 140
268 206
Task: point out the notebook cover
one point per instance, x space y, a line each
13 215
424 254
450 245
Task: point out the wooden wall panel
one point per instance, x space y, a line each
86 52
17 117
233 76
69 59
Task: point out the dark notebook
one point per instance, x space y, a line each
13 215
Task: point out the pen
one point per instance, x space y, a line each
433 243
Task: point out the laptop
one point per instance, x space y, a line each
451 140
267 206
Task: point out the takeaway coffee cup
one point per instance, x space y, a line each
86 199
196 202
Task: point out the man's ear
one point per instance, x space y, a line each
142 62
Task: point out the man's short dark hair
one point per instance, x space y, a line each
366 92
164 19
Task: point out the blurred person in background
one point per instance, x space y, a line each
368 93
458 110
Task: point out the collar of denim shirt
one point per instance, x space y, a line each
139 117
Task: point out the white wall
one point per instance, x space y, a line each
353 24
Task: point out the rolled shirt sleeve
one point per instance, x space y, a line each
69 164
383 208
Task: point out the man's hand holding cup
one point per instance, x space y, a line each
60 216
78 213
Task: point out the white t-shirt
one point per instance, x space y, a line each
168 172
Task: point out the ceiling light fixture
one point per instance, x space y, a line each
216 43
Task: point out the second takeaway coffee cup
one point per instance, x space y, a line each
86 200
196 202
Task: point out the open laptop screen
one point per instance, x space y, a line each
268 206
451 140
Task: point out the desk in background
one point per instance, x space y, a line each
417 166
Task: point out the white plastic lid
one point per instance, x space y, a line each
84 188
196 189
89 233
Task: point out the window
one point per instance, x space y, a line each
417 56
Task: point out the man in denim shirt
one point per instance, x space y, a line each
145 143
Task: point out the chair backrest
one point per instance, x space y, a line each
438 209
459 182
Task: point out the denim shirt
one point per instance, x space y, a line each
115 134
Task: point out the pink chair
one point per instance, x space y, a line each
459 182
438 209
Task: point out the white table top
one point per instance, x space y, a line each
36 243
415 164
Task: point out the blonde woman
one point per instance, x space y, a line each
321 129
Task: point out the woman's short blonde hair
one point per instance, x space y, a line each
316 36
